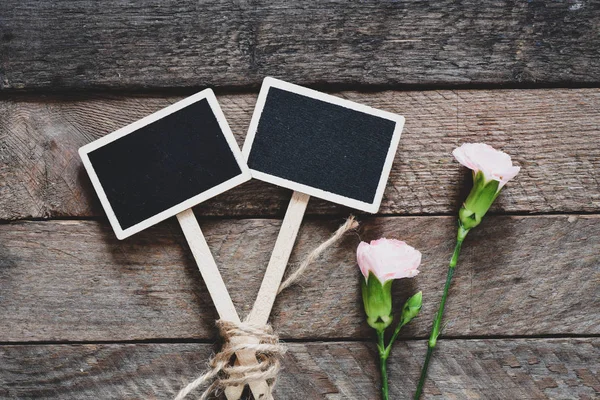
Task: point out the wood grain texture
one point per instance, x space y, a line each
74 281
503 369
552 134
147 44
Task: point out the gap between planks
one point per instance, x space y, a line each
318 217
293 340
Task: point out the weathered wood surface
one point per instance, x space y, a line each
501 369
70 280
552 134
73 281
148 44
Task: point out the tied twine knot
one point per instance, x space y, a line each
222 372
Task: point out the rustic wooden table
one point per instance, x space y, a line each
85 316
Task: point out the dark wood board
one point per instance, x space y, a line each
85 316
147 44
501 369
74 281
552 134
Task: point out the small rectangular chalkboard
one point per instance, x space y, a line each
317 145
322 145
164 163
161 166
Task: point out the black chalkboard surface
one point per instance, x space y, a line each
165 163
322 145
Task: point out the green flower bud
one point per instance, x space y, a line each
412 307
377 300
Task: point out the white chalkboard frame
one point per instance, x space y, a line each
373 207
245 175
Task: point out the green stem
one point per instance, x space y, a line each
435 331
393 338
383 356
454 259
423 373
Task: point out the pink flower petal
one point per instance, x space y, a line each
494 164
388 259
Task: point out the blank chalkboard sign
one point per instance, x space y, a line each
161 166
164 163
317 145
322 145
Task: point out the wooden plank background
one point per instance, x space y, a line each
143 44
85 316
464 369
43 176
61 273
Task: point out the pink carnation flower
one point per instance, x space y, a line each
494 164
388 259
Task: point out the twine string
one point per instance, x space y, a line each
350 224
221 371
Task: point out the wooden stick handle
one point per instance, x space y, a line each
216 288
207 266
274 274
279 259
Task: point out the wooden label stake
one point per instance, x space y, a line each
317 145
162 166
